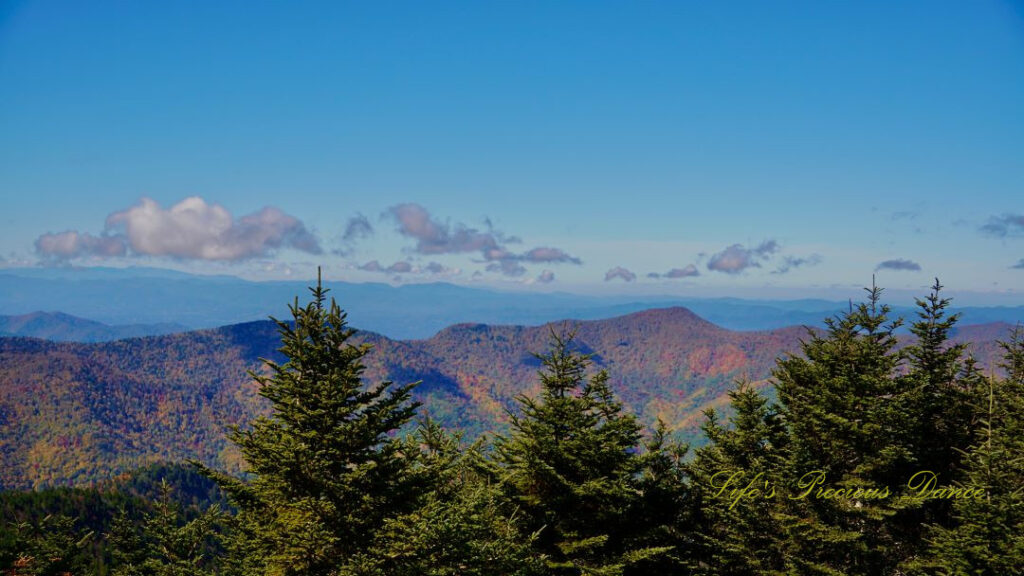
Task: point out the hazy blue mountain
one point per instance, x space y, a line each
132 296
61 327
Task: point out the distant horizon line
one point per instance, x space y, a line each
648 293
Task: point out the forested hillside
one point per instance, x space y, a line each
877 456
77 413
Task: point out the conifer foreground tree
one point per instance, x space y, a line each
571 468
164 543
987 538
941 381
53 546
859 412
843 403
460 530
326 470
937 403
742 535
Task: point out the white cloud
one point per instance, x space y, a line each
71 244
195 229
737 258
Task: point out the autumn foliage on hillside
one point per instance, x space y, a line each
344 473
72 414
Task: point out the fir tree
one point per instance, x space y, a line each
460 530
54 546
570 466
987 538
845 408
935 405
940 380
740 516
663 516
326 470
164 543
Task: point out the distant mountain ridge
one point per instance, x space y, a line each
134 296
75 413
61 327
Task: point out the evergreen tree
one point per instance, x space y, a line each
940 380
663 516
570 467
53 546
988 536
164 543
936 405
460 530
740 516
326 470
845 407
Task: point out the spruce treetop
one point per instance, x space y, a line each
327 469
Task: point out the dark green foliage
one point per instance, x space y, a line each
937 406
941 383
571 467
987 535
861 413
132 500
164 542
180 483
327 472
661 519
54 546
460 529
843 404
742 534
92 508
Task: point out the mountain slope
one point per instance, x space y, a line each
74 413
62 327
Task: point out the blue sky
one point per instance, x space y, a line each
740 148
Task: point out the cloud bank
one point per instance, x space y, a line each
899 264
620 273
791 262
689 271
357 228
434 237
405 267
71 244
1004 225
737 258
191 229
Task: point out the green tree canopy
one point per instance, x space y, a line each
571 467
326 470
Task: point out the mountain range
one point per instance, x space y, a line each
76 413
163 299
61 327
